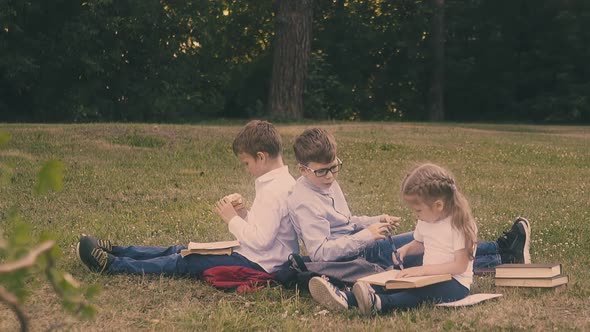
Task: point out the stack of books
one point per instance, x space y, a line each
530 275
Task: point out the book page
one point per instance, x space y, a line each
380 278
388 278
470 300
213 245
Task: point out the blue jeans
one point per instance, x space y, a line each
380 252
168 261
486 256
447 291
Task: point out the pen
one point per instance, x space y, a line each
401 264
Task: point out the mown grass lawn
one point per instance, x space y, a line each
156 185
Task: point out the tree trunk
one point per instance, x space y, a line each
436 111
291 52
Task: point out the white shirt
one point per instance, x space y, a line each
441 241
324 223
266 235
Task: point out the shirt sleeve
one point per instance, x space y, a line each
418 236
458 240
315 232
262 225
364 221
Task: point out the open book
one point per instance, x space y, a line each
390 280
210 248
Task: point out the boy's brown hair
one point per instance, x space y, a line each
315 145
258 136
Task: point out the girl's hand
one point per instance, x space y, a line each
412 272
393 222
401 253
225 210
379 230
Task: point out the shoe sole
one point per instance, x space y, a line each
78 251
80 257
323 295
362 298
527 242
82 261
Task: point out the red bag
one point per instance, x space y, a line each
243 279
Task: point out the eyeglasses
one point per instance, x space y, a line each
324 171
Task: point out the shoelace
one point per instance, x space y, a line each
334 288
105 244
101 257
372 297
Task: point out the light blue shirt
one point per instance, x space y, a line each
266 236
324 223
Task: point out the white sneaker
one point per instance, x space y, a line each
327 294
367 300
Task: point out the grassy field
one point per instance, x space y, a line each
156 185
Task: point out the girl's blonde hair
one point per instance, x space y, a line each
431 182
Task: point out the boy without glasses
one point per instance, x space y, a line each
265 232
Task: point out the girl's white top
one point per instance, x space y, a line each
441 241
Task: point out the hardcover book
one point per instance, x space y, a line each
533 282
528 270
210 248
390 280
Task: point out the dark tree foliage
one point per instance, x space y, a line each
178 61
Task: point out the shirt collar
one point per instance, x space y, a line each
315 188
269 176
440 221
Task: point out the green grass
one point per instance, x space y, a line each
156 185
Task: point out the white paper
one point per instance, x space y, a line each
470 300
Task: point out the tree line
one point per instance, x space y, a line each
179 61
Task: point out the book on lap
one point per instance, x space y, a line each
528 270
210 248
391 280
533 282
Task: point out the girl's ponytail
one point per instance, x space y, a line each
431 182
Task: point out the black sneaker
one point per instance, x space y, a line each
514 244
105 245
93 256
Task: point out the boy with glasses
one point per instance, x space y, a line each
330 233
320 212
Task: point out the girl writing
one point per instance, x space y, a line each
445 233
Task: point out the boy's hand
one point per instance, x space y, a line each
393 222
379 230
238 203
225 209
236 200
